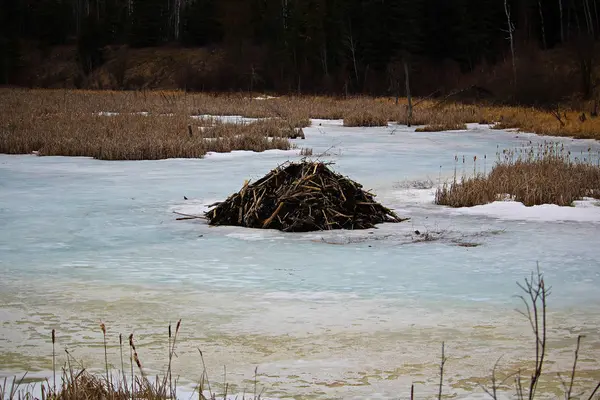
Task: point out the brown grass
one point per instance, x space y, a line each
441 127
306 152
542 175
365 118
67 122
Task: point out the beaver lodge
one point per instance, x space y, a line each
301 197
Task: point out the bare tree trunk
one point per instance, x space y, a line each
569 23
511 29
352 46
177 18
409 108
588 17
324 60
562 27
542 24
77 17
596 14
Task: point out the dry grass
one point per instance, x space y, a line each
365 118
442 127
71 124
561 122
306 152
272 128
542 175
75 382
67 122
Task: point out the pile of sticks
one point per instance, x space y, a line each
301 197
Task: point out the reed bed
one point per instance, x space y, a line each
133 125
366 118
81 124
534 175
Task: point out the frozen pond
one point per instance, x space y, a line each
322 315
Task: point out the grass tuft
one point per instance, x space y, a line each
442 127
365 118
546 174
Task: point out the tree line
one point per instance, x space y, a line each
305 45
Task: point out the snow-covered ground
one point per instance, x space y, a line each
327 314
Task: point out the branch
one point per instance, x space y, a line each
442 363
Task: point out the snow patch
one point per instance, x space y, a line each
582 211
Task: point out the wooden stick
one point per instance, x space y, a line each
270 219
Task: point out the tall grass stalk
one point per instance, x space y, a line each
53 361
122 362
131 348
103 328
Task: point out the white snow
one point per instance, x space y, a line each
227 119
265 97
248 153
319 313
582 211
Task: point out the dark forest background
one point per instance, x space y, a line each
316 46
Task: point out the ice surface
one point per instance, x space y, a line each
322 314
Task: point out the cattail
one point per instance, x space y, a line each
131 350
178 326
103 328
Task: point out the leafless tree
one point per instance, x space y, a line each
588 17
511 29
351 44
542 25
534 299
562 27
409 107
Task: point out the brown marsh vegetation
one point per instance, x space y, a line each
134 125
543 174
